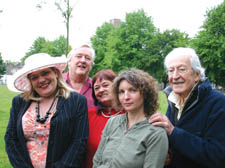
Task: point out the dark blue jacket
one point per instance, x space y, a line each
68 134
198 139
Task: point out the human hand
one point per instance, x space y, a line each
161 120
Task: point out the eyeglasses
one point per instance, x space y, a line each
179 70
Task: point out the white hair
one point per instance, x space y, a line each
194 59
73 51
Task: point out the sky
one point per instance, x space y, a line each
21 23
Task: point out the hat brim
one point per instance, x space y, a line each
19 81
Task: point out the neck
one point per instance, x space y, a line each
77 78
77 81
134 118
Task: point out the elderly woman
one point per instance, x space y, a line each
103 110
129 140
48 125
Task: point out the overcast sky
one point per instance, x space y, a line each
21 22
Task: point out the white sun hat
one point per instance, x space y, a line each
19 81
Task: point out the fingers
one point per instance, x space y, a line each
157 118
161 120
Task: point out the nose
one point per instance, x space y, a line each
175 74
126 95
101 89
83 59
41 78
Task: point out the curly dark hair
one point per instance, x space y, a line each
142 81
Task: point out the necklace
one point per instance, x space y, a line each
37 111
109 116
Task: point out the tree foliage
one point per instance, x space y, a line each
210 44
53 48
135 43
2 67
100 42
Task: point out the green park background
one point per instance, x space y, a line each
138 43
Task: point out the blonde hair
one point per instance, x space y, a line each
62 89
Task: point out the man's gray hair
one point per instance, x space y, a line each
194 59
73 51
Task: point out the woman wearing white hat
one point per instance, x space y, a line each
48 125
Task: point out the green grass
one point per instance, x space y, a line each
5 104
162 103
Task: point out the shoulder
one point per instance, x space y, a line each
116 120
77 96
74 100
92 110
157 134
154 130
214 99
18 100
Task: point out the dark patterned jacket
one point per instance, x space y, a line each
67 139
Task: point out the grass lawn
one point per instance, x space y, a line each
5 104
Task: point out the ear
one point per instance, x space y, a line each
197 76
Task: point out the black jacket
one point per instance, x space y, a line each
67 139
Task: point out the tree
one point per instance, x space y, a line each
210 44
158 49
2 67
131 40
53 48
100 44
135 43
66 11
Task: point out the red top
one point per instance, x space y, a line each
97 123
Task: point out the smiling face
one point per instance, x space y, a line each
181 76
130 98
44 82
81 62
102 90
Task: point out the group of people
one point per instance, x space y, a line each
70 120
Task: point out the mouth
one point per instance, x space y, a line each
127 104
44 85
177 83
103 95
81 66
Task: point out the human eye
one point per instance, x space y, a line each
96 88
121 92
182 69
105 85
45 73
133 90
88 58
78 56
170 71
33 77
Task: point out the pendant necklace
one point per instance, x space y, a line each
37 111
109 116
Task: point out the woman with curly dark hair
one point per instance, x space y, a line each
129 140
